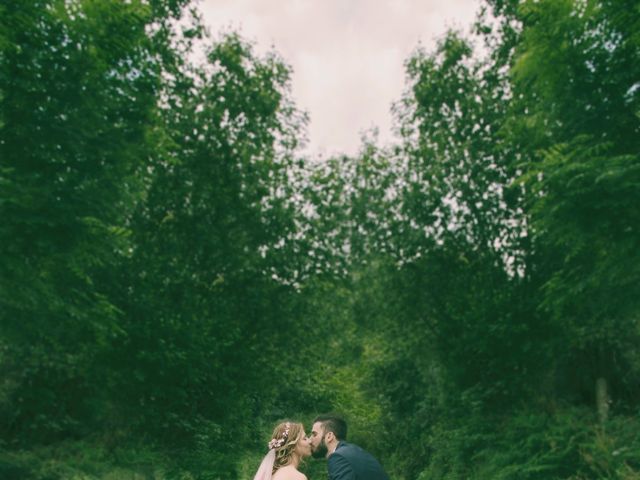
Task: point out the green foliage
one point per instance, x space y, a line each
208 305
568 444
174 280
521 283
78 85
87 460
575 63
144 212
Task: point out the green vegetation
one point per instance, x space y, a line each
174 278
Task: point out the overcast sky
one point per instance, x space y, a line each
347 55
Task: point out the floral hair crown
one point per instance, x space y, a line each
278 442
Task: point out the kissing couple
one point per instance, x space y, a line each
289 444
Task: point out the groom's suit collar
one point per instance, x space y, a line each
341 443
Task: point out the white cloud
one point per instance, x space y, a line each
347 55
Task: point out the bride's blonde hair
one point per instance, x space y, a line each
284 439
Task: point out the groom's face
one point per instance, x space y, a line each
318 445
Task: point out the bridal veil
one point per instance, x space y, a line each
266 467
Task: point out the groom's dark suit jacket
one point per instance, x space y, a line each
350 462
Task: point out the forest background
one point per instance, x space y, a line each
175 277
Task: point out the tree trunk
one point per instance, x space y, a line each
602 399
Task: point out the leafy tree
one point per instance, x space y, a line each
78 85
575 79
207 299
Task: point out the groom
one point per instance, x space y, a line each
345 461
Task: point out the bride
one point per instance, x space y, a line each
288 446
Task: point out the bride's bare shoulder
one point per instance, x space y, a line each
289 473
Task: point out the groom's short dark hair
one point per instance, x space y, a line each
332 422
